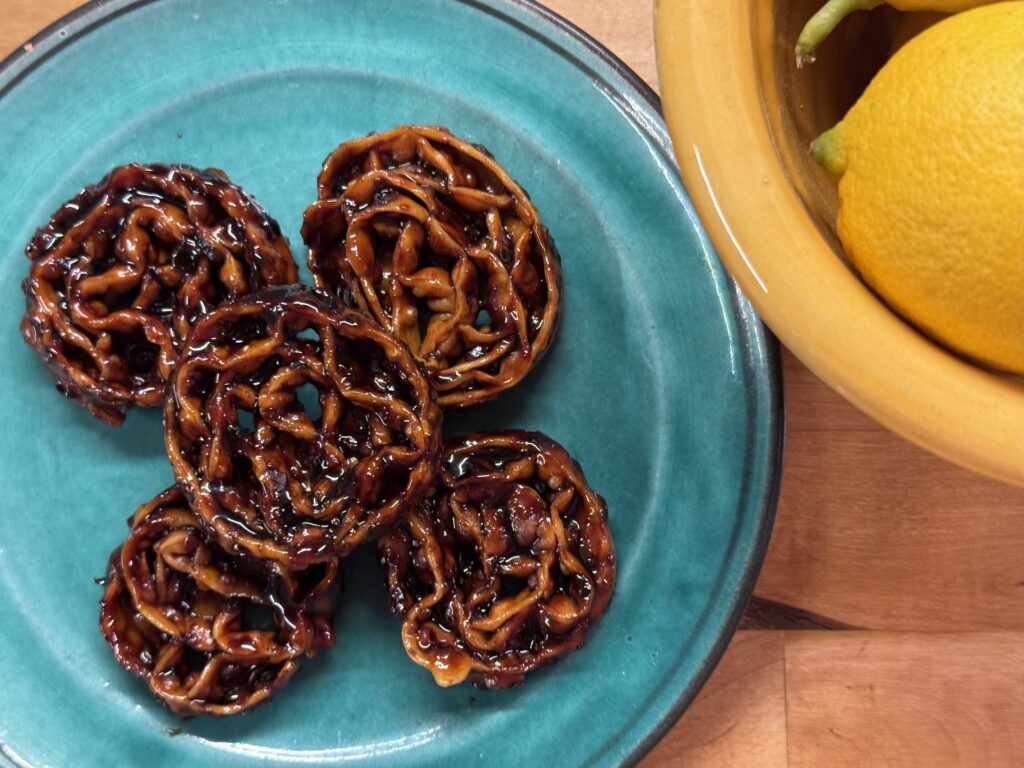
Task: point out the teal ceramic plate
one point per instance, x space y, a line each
662 382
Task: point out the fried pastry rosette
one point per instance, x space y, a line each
506 568
429 235
298 428
210 633
121 272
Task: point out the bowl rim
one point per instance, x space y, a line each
706 56
763 501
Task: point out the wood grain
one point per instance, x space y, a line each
871 532
905 699
626 27
739 718
811 698
875 533
21 19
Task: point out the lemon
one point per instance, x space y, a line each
834 11
930 163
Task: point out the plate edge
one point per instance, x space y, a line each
50 41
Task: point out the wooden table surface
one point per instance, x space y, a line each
888 623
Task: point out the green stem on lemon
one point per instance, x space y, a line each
823 22
828 151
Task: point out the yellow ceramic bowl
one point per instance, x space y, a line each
741 118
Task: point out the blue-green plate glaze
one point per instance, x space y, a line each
662 382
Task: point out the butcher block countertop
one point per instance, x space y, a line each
888 622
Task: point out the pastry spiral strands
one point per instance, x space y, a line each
121 272
284 480
506 568
175 608
432 237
